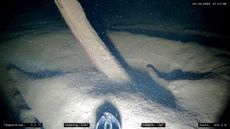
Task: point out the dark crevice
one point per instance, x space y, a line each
227 56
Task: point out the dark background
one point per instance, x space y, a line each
175 15
35 13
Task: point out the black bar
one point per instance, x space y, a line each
76 125
153 125
212 125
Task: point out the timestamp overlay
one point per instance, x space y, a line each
216 3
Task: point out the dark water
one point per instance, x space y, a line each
167 12
175 15
16 14
19 15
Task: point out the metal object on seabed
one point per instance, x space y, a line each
108 121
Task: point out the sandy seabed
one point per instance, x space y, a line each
82 94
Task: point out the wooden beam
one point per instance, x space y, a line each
105 62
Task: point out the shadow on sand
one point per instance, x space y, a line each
178 74
36 75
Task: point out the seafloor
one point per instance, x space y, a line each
180 74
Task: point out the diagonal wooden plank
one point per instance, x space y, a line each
99 54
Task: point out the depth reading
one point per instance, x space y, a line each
212 124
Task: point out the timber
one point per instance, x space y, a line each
99 54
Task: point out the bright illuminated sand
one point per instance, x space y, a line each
77 95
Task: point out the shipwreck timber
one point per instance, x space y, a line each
99 54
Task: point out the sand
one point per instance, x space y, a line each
83 93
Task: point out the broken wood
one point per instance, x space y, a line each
76 19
